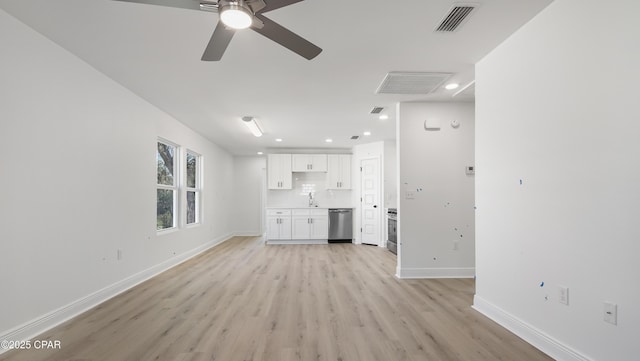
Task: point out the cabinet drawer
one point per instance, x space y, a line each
278 212
301 212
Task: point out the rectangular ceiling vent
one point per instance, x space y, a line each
376 110
455 17
398 82
355 137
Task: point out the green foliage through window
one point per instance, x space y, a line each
165 209
166 163
167 187
191 170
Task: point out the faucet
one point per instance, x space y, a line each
310 199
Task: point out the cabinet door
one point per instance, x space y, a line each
319 227
300 162
279 171
345 171
339 171
318 162
309 162
333 171
285 172
273 171
273 228
285 228
300 227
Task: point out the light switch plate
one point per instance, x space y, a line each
563 295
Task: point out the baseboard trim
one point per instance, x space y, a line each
247 234
297 241
525 331
52 319
436 272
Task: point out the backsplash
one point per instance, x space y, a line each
305 183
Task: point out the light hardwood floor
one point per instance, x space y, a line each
243 300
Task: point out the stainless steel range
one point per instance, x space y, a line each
392 230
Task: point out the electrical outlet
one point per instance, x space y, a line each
563 295
611 313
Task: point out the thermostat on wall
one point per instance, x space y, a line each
470 170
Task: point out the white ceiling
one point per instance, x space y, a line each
155 52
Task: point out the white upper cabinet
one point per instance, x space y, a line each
309 162
339 171
279 171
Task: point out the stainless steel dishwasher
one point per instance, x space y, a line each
340 225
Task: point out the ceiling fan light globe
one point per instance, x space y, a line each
235 17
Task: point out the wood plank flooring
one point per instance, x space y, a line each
244 300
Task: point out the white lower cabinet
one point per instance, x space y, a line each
305 225
279 224
310 224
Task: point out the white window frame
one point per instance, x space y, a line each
175 187
197 189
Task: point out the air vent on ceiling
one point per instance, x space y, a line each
376 110
397 82
355 137
455 17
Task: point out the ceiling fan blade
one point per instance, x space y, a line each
276 4
218 44
287 38
182 4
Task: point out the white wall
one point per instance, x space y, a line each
249 187
436 222
557 107
390 177
77 183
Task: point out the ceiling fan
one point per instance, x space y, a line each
242 14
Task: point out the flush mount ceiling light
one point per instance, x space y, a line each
278 140
383 117
367 133
260 153
328 140
235 15
452 86
251 123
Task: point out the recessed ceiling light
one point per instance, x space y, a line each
328 140
452 86
384 117
260 153
367 133
278 140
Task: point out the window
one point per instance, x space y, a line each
193 191
167 186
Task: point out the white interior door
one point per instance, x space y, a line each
370 208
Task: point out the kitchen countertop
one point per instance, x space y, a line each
300 207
